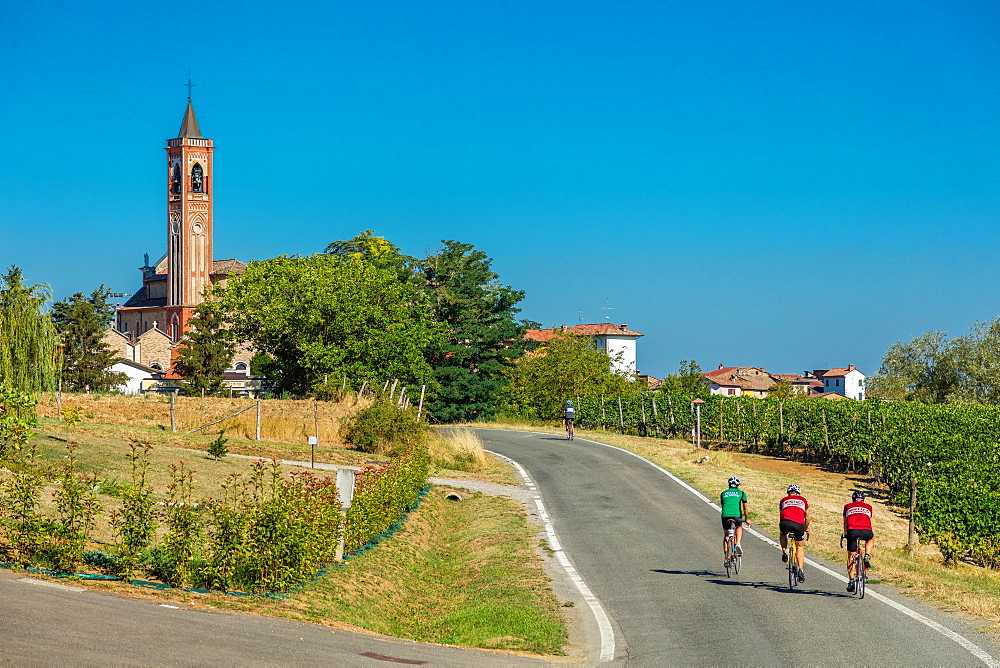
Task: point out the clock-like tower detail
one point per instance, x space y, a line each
189 223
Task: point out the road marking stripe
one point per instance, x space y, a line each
974 649
603 623
54 585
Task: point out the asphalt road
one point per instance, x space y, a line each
650 551
49 624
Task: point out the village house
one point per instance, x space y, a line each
848 381
737 381
618 341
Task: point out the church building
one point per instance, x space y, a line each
149 326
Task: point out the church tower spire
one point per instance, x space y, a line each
189 222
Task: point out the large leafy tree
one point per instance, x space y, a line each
332 315
81 321
206 351
925 369
379 252
566 367
28 339
482 336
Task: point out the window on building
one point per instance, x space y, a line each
156 365
240 366
732 391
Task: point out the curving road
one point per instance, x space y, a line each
649 550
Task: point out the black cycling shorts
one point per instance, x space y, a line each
788 526
854 535
726 520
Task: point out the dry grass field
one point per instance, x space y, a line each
282 420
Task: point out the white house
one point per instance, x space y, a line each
136 374
848 382
618 341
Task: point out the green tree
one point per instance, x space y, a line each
81 321
28 339
782 389
331 315
688 380
379 252
566 367
926 369
977 360
482 336
206 351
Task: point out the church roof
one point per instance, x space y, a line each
226 267
189 126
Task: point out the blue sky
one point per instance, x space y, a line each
776 184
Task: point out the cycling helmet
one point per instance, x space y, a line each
569 403
858 495
734 482
794 489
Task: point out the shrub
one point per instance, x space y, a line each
384 429
271 532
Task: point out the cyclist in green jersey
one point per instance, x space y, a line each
734 509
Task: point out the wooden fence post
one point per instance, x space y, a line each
316 419
420 408
912 532
59 399
621 416
257 433
173 424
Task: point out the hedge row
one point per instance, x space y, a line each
384 493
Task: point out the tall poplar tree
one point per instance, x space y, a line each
28 340
81 321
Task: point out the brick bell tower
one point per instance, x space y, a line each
189 223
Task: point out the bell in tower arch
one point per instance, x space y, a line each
197 179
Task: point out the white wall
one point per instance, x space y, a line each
614 345
135 376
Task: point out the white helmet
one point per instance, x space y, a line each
794 489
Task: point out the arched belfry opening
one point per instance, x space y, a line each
175 180
197 179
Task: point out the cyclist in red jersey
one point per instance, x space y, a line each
794 519
857 527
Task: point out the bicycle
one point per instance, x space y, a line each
793 560
734 560
569 430
860 567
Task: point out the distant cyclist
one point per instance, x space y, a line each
857 527
734 509
569 415
794 519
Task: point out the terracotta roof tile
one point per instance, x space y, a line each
226 267
604 329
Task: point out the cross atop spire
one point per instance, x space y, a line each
189 85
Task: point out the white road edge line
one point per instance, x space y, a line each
603 622
53 585
974 649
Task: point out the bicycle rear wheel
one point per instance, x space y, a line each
737 563
793 574
729 558
862 578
